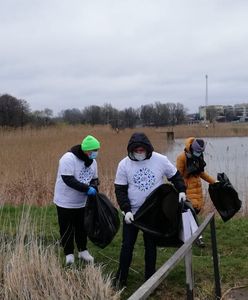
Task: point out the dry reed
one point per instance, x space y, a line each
29 159
30 270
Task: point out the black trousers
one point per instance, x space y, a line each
71 226
129 237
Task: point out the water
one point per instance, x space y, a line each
228 155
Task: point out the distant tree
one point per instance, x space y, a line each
42 117
128 117
162 114
93 115
148 115
178 113
72 116
13 112
109 115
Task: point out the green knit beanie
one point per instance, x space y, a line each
90 143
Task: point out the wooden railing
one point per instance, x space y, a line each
185 251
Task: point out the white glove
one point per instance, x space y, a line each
182 197
129 217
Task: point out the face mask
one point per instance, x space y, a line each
139 156
93 155
197 154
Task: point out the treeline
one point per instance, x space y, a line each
17 113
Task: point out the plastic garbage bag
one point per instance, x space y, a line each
160 216
101 220
224 197
189 222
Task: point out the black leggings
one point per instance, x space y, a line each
71 225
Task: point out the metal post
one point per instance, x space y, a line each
189 275
215 260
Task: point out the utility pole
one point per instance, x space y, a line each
206 98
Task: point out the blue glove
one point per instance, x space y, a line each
91 191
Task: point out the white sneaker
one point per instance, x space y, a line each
69 259
86 256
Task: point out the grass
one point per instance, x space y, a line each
41 242
30 266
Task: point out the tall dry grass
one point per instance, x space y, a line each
211 130
29 159
30 270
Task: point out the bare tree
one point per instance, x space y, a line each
128 117
13 112
93 115
148 115
72 116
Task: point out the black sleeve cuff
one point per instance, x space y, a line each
178 182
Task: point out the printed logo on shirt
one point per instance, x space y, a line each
144 179
85 175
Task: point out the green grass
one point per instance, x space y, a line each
232 243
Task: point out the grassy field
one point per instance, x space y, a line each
30 247
29 242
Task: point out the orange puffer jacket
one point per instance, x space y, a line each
192 182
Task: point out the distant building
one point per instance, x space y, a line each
241 111
238 112
193 118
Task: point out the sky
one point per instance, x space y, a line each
64 54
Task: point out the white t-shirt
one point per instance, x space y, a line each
65 196
142 177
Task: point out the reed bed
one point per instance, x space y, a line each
31 270
210 130
29 159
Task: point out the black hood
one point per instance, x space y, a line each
77 151
139 139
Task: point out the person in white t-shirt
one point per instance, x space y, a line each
138 174
77 179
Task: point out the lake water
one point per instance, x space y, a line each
228 155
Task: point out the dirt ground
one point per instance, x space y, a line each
239 293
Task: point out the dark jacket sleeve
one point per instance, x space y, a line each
178 182
73 183
122 197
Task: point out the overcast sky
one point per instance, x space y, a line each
61 54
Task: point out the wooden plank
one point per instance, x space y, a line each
150 285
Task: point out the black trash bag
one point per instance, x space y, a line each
101 220
160 216
224 197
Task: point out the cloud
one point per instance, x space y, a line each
65 54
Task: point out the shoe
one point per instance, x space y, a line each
199 243
69 259
86 256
